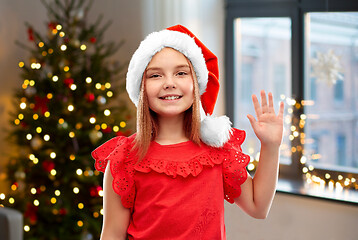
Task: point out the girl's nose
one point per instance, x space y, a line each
169 83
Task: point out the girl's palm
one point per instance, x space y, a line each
268 127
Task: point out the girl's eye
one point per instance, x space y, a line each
154 76
182 73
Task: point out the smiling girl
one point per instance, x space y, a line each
170 179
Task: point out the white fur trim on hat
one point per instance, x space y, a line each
155 42
215 131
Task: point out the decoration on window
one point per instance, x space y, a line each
327 67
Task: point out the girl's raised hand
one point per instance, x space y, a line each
268 127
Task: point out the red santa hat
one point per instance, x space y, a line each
215 131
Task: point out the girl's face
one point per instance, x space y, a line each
169 83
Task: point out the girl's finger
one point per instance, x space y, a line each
282 107
271 109
256 105
263 102
252 120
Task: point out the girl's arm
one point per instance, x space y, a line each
257 193
115 217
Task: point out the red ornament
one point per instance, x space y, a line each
90 97
68 82
108 129
93 40
62 211
30 34
48 165
41 104
52 25
31 213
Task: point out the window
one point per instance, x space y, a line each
256 40
307 51
332 35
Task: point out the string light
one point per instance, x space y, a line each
46 137
92 120
38 129
109 94
58 27
11 200
53 200
71 134
76 190
122 124
41 44
107 112
36 202
80 205
22 105
88 80
72 157
57 193
33 191
66 68
70 108
26 228
53 172
21 64
2 196
55 78
63 47
73 87
53 155
115 128
108 85
28 136
61 34
98 85
79 172
80 223
83 47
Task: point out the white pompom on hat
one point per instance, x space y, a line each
215 131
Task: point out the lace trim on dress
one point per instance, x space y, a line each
117 151
234 166
192 167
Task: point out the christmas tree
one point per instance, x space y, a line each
61 113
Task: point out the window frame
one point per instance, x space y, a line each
296 10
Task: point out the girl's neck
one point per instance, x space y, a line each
171 130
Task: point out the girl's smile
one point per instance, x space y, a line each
169 83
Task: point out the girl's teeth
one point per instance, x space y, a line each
171 97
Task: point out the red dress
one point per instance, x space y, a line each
177 191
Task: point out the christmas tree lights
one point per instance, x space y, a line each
61 113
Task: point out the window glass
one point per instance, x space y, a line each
331 85
262 53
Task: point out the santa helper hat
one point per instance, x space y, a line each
215 131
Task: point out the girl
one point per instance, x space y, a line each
169 180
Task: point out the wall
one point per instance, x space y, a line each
295 218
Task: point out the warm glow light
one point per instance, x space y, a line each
115 128
41 44
36 202
340 177
26 228
55 78
122 124
107 85
66 68
61 121
100 193
21 64
53 200
88 80
58 27
52 155
47 137
92 120
47 114
76 190
71 134
49 95
251 167
57 193
109 94
63 47
61 34
2 196
50 51
107 112
72 157
33 190
70 108
38 129
103 126
98 86
303 160
53 172
101 211
80 223
80 205
13 187
17 121
35 116
28 136
79 172
83 47
22 105
73 87
304 169
11 200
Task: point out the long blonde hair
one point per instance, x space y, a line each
147 122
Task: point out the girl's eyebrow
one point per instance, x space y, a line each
159 68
